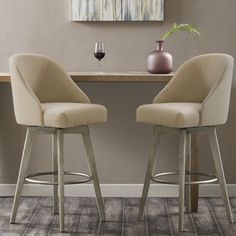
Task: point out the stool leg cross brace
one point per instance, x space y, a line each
57 169
184 155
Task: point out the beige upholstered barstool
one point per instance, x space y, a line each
195 100
47 101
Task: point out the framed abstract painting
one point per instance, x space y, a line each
117 10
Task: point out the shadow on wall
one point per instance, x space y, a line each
11 137
227 138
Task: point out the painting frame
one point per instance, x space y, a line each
117 10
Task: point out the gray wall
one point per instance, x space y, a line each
121 145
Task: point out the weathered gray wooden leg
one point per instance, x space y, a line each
149 172
220 171
55 176
93 171
188 177
60 177
194 168
22 172
182 160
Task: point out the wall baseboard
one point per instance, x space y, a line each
115 190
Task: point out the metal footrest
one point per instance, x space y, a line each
30 178
211 179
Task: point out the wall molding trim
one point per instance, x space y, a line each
115 190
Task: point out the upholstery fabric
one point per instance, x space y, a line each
205 80
170 114
65 115
38 80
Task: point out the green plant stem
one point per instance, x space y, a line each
181 27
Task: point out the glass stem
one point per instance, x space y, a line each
99 66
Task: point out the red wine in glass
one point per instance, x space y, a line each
99 53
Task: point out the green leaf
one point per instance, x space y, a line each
181 27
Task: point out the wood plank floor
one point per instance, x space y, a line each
35 217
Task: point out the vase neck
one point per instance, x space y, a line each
160 45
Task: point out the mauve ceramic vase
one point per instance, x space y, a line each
159 61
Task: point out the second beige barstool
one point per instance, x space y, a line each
47 101
195 100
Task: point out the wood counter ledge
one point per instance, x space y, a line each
109 77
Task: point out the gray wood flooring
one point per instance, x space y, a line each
35 217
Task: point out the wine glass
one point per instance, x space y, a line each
99 53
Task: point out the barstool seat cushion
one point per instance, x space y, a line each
67 115
176 115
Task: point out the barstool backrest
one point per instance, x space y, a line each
203 79
39 79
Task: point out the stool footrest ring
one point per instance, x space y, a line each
211 179
30 178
